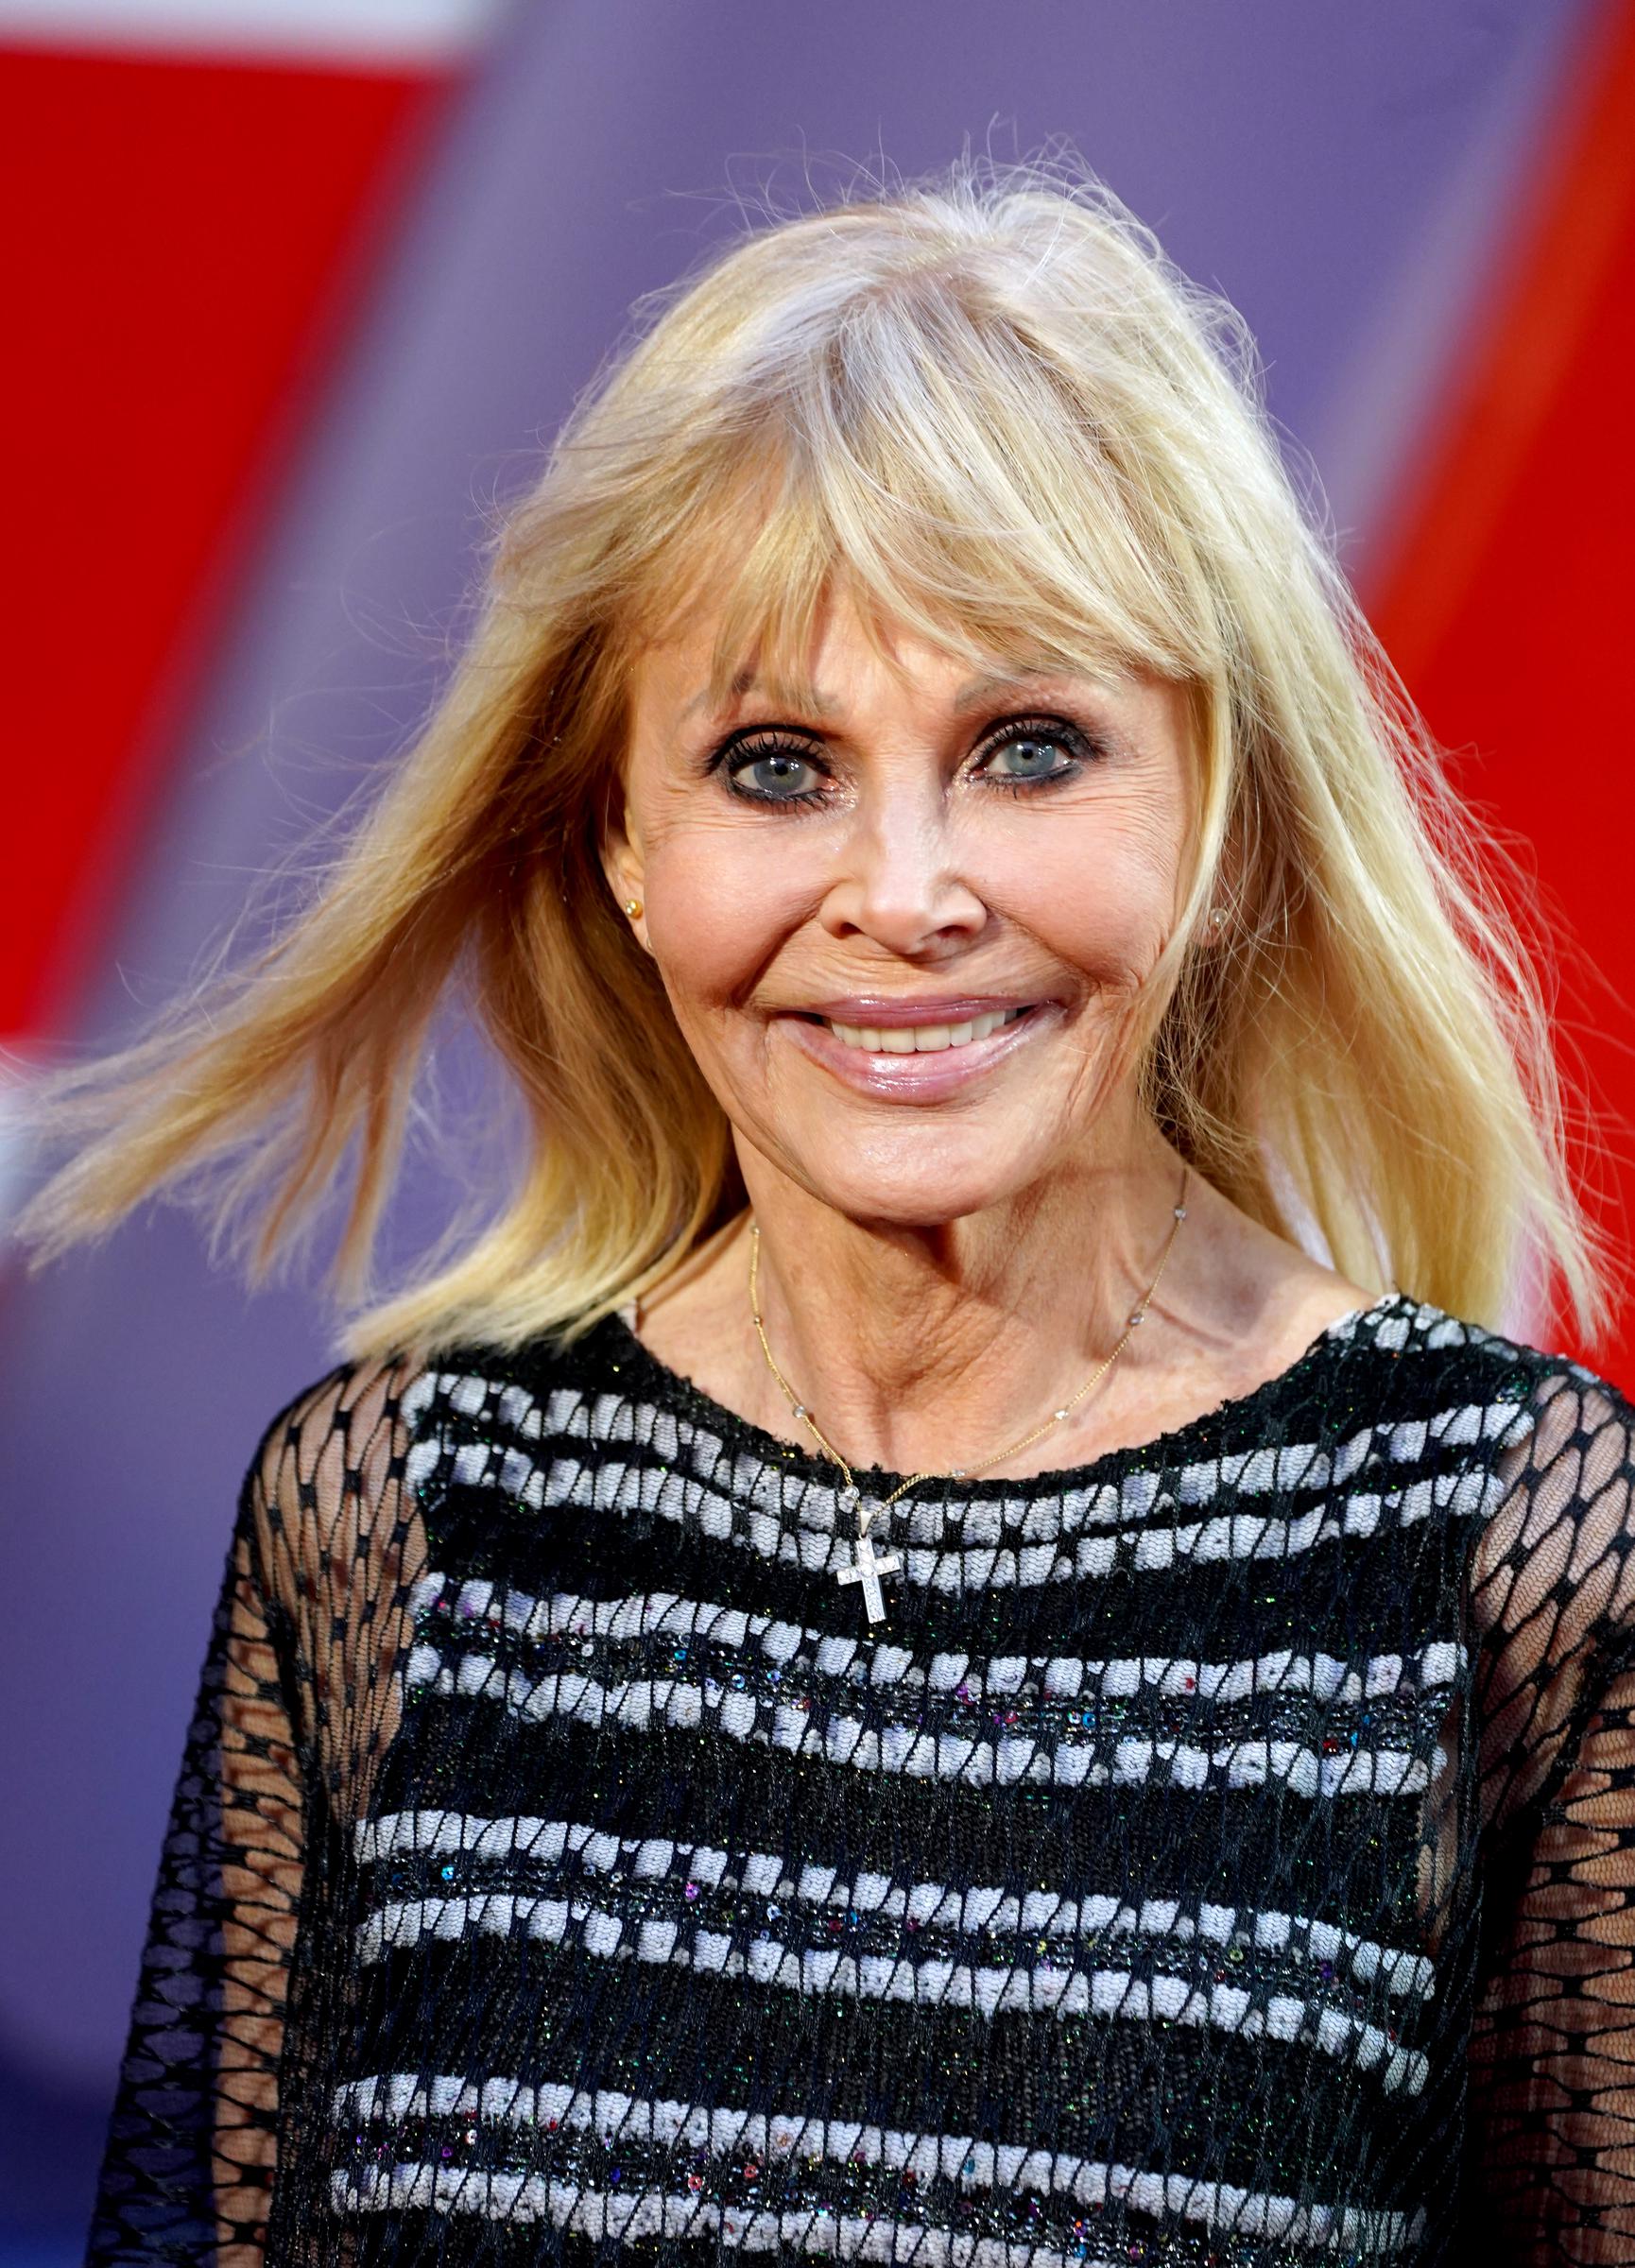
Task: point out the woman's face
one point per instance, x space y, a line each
902 924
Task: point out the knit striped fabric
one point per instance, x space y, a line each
1224 1853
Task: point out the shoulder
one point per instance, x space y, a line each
326 1487
1533 1448
360 1426
1572 1447
1555 1569
484 1388
1442 1394
1410 1357
1557 1397
482 1414
333 1418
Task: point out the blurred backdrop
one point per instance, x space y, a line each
299 288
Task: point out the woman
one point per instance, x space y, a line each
887 1665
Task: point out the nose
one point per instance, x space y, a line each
900 884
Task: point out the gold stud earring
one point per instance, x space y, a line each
634 907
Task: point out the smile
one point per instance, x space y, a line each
899 1060
921 1038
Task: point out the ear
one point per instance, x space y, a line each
622 860
1235 900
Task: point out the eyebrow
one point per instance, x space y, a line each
968 697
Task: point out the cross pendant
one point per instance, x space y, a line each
867 1570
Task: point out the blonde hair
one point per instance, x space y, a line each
991 410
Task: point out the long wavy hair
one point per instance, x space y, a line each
990 409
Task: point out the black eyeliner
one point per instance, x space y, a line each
745 736
753 743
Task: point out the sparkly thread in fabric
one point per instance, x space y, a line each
1223 1856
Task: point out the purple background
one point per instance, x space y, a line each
1347 175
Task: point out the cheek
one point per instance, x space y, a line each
1103 900
718 908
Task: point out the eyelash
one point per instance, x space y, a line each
762 741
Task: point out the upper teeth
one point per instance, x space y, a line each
921 1038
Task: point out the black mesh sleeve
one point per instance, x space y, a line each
191 2142
288 1719
1553 2056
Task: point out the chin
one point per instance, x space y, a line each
918 1192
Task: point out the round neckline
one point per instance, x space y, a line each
678 1393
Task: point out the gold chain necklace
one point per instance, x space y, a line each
866 1567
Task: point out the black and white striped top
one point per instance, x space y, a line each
1223 1854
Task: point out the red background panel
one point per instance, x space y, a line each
1509 612
184 238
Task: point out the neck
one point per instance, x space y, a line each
934 1347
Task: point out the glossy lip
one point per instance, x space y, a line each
917 1078
876 1010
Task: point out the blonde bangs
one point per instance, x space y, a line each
1013 535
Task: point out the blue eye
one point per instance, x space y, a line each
771 769
776 767
1026 753
776 775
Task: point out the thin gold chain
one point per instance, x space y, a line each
957 1472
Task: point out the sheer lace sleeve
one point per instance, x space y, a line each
286 1723
1552 2059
